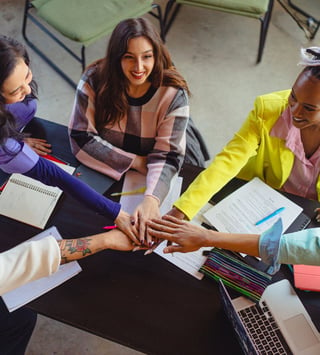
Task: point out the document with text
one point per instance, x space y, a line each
241 210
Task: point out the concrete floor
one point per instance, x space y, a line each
216 53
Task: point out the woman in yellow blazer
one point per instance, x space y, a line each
279 143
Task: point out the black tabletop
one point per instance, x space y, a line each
143 302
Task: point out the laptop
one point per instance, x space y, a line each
278 324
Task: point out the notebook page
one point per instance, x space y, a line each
28 200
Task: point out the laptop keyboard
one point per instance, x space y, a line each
264 330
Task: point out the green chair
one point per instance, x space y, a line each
259 9
82 21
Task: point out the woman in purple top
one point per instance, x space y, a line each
19 100
19 154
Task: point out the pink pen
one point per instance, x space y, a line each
110 227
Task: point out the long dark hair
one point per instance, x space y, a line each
111 101
10 53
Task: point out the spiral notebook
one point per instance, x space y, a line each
30 201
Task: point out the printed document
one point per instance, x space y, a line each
241 210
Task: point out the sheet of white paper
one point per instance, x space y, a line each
238 212
32 290
134 180
189 262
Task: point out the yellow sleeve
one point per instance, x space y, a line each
225 166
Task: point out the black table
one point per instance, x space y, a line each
143 302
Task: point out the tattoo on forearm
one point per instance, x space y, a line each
72 246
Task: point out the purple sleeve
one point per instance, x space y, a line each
23 111
17 157
50 174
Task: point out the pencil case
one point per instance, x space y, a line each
235 273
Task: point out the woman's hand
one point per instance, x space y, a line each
145 211
317 210
125 222
185 235
117 240
40 146
140 164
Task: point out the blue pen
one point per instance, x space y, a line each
270 216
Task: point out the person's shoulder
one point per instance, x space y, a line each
89 79
275 96
90 72
270 106
172 91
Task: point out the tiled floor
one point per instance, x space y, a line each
216 53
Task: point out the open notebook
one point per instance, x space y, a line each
30 201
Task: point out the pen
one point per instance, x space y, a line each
56 159
207 226
110 227
132 192
270 216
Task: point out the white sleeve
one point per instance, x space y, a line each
27 262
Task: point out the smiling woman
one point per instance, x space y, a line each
17 86
131 112
279 143
18 91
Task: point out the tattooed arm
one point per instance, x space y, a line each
40 258
74 249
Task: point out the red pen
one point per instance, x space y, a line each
110 227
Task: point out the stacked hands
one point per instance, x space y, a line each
142 234
141 231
